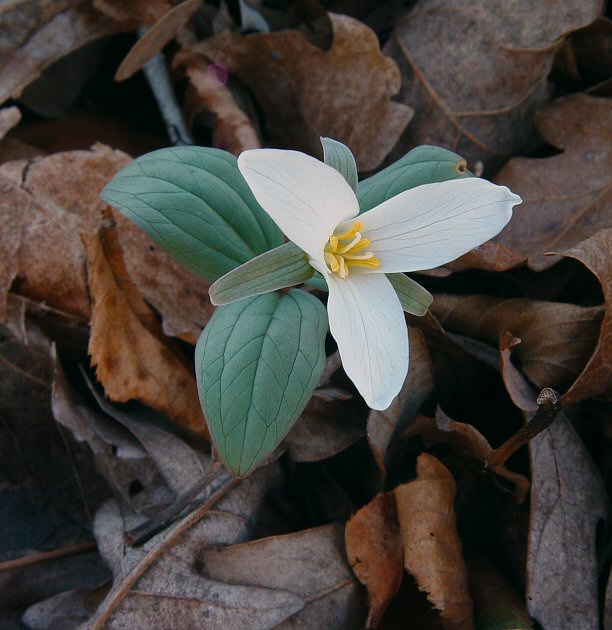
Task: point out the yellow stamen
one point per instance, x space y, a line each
348 250
332 245
345 236
349 246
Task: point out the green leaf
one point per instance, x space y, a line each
423 165
282 267
194 203
413 297
339 156
257 362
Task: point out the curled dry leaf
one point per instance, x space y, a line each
567 197
232 129
374 551
432 549
384 425
557 340
309 565
467 441
180 466
41 32
119 457
156 37
343 93
46 203
596 378
161 584
476 88
133 358
568 502
518 388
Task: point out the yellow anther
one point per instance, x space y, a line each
331 261
349 235
332 245
348 250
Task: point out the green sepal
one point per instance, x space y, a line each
423 165
196 205
317 282
257 363
339 156
281 267
412 296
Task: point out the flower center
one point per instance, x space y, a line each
348 250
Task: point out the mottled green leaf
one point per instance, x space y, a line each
194 203
339 156
257 363
423 165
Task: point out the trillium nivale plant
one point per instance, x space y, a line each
418 229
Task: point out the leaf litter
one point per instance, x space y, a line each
356 510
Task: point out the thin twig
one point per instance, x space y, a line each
44 556
138 571
158 78
549 406
211 481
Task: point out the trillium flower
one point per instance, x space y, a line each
419 229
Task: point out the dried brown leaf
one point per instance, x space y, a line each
9 118
374 550
596 378
44 205
161 585
119 457
309 564
383 425
568 502
488 257
305 93
432 549
39 33
132 357
324 429
156 37
592 50
496 602
520 391
140 11
64 611
232 129
180 465
476 71
557 340
467 442
567 197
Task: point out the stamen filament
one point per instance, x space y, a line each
346 248
343 251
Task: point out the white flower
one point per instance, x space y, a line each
418 229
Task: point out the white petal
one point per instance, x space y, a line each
305 197
430 225
367 321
